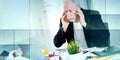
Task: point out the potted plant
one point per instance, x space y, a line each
74 51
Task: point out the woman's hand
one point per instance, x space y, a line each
65 22
80 17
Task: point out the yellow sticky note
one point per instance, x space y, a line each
45 51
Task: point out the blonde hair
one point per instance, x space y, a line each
76 2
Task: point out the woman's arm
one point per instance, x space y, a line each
59 38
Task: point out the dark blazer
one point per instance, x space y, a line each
96 33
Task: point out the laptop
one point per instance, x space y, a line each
109 51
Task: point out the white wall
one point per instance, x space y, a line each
14 14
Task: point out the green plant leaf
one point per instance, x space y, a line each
72 47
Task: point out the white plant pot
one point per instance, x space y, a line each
78 56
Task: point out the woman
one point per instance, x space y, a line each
90 27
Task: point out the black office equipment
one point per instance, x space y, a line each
4 53
109 51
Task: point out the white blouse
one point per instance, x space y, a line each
79 35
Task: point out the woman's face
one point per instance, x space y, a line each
70 10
